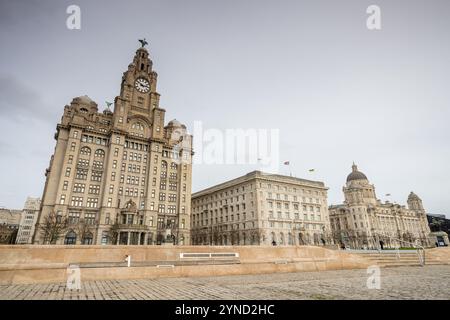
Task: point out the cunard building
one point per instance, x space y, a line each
122 176
261 209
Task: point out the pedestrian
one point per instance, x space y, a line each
381 244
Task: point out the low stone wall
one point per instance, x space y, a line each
48 264
441 254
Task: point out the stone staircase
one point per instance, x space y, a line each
390 258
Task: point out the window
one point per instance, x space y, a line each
109 202
65 185
89 218
98 165
82 174
92 202
94 189
71 238
62 199
99 153
96 176
74 217
72 146
85 151
83 163
67 172
78 187
77 202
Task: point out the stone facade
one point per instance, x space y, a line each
261 209
362 221
28 220
9 225
120 177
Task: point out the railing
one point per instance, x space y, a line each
419 249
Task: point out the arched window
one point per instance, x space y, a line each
291 239
99 153
164 165
281 238
84 110
174 166
87 238
273 237
71 237
85 151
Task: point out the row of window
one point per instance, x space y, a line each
287 215
96 140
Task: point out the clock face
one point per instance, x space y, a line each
142 85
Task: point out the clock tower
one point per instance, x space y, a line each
138 97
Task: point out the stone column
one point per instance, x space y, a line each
139 239
128 239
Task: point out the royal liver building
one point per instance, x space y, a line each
120 177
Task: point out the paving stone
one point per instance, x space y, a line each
429 282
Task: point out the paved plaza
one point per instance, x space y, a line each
429 282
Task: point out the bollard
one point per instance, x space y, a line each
128 260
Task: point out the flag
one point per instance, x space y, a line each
286 163
388 194
311 170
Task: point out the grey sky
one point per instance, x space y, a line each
337 91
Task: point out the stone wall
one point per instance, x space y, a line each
46 264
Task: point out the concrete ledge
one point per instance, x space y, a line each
48 264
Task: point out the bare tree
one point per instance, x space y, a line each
113 233
84 230
53 227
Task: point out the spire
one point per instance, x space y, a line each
354 167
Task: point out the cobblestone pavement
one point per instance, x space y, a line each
429 282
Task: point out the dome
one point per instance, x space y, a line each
355 174
175 123
413 196
85 99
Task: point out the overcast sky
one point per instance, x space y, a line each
337 91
